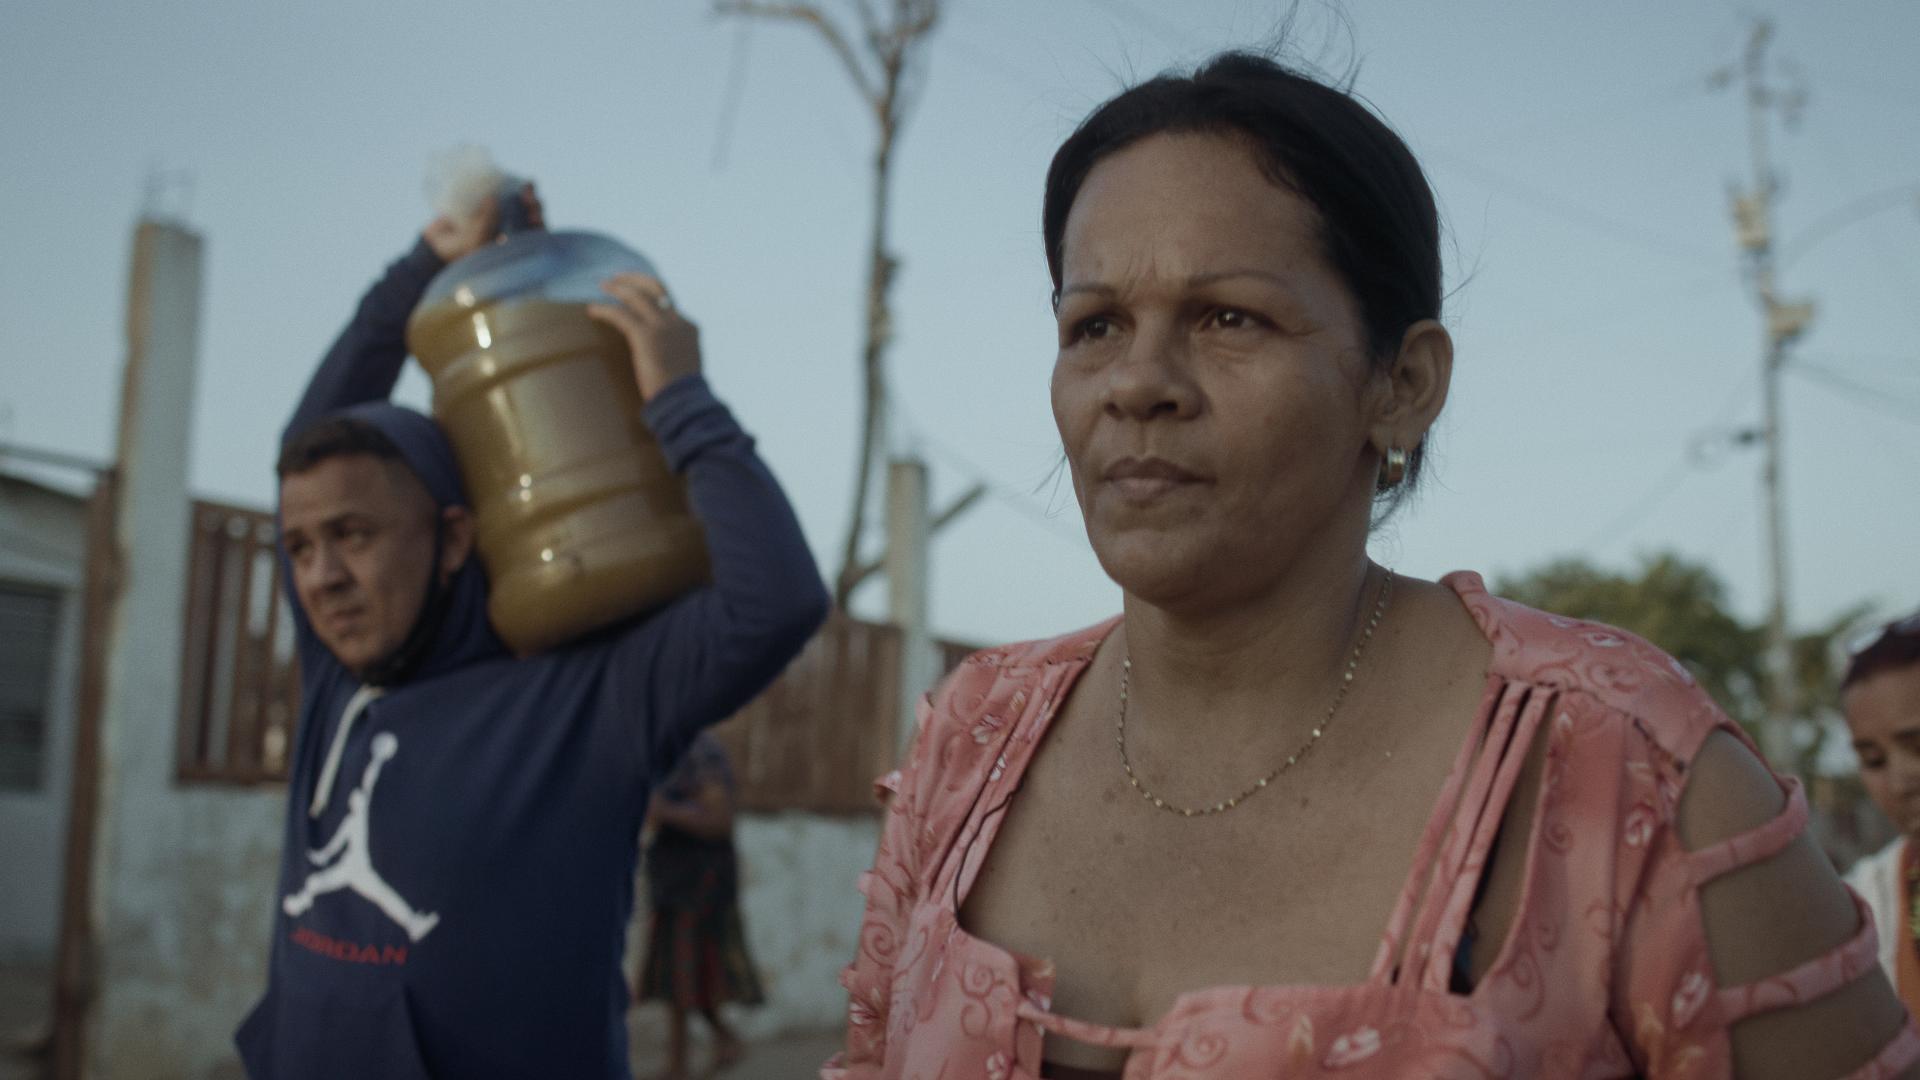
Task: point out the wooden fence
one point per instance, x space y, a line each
813 741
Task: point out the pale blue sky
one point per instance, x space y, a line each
1581 162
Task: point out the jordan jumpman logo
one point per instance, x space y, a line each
354 866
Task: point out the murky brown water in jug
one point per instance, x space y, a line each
581 522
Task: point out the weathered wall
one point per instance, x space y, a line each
186 956
803 912
190 957
42 543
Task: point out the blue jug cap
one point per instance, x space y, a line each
535 264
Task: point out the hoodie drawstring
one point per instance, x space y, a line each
356 705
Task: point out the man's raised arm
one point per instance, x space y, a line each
696 662
365 360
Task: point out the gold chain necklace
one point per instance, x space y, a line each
1339 696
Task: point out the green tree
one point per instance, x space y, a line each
1681 606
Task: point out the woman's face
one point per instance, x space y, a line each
1883 713
1212 388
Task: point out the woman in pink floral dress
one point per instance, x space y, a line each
1291 815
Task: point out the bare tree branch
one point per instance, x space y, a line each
940 521
880 77
915 25
814 17
869 22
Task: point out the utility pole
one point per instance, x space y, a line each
1782 323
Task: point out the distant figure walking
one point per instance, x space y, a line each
696 956
354 868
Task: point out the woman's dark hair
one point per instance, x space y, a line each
1378 224
1895 645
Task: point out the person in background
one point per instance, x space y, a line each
462 825
1880 695
696 953
1293 813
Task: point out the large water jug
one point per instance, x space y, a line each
580 521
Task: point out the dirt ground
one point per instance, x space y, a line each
26 1005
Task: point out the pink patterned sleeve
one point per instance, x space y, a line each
1676 1020
890 888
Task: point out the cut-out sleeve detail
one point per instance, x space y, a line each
1815 979
1893 1059
1755 845
1675 1018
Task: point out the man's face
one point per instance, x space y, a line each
359 533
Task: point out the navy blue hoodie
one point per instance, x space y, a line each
453 898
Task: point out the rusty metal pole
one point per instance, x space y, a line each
74 970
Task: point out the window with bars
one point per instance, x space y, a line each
239 690
29 618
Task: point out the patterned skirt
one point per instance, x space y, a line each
697 958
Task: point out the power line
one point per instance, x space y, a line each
1898 99
1024 503
1697 456
1044 519
985 60
1147 20
1610 305
1905 410
1852 212
1824 226
1911 363
1628 519
1577 121
1573 213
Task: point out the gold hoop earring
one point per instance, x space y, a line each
1393 468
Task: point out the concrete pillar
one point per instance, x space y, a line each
182 877
142 693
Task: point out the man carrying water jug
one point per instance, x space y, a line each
462 823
